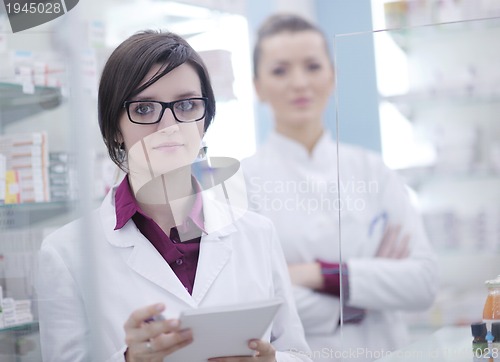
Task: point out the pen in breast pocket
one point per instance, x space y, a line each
379 219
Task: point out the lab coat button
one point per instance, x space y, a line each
178 261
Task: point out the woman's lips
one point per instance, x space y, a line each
169 146
301 102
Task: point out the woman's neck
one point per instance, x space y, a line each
167 199
307 135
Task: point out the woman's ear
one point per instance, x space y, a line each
119 140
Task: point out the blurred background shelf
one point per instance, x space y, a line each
17 104
21 329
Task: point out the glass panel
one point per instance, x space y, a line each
56 168
437 107
36 190
48 93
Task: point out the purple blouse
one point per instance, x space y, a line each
182 256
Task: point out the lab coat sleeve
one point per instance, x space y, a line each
308 301
404 284
319 312
287 333
64 329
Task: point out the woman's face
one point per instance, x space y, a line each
155 149
295 77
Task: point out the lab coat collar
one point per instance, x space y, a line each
296 151
215 247
219 220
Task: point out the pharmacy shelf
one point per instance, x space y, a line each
20 329
13 216
409 37
35 205
16 103
28 215
13 95
452 102
410 103
441 98
416 176
20 343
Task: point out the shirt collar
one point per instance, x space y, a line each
196 213
126 207
297 151
125 204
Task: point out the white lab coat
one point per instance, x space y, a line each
298 192
92 277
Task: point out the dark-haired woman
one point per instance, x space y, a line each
159 244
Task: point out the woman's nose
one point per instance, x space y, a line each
168 121
299 79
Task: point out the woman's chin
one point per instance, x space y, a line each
301 122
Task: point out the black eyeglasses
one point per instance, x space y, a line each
150 112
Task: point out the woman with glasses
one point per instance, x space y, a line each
322 198
158 245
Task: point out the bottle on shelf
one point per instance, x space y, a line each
491 311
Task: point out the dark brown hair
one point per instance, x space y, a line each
126 68
280 23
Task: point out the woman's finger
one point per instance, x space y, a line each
171 342
404 248
161 345
264 351
150 330
385 243
262 348
140 315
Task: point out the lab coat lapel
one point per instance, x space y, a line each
215 247
215 252
141 256
145 260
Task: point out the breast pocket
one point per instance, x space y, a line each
361 232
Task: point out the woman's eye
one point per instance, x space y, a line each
313 67
278 71
144 108
184 106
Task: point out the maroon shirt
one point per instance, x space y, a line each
181 256
331 285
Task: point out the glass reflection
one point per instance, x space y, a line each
438 101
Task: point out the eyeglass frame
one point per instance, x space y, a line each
165 105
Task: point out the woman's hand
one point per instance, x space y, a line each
306 275
265 353
152 341
393 244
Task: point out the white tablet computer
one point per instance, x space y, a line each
224 331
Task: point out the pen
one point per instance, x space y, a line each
155 318
382 217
